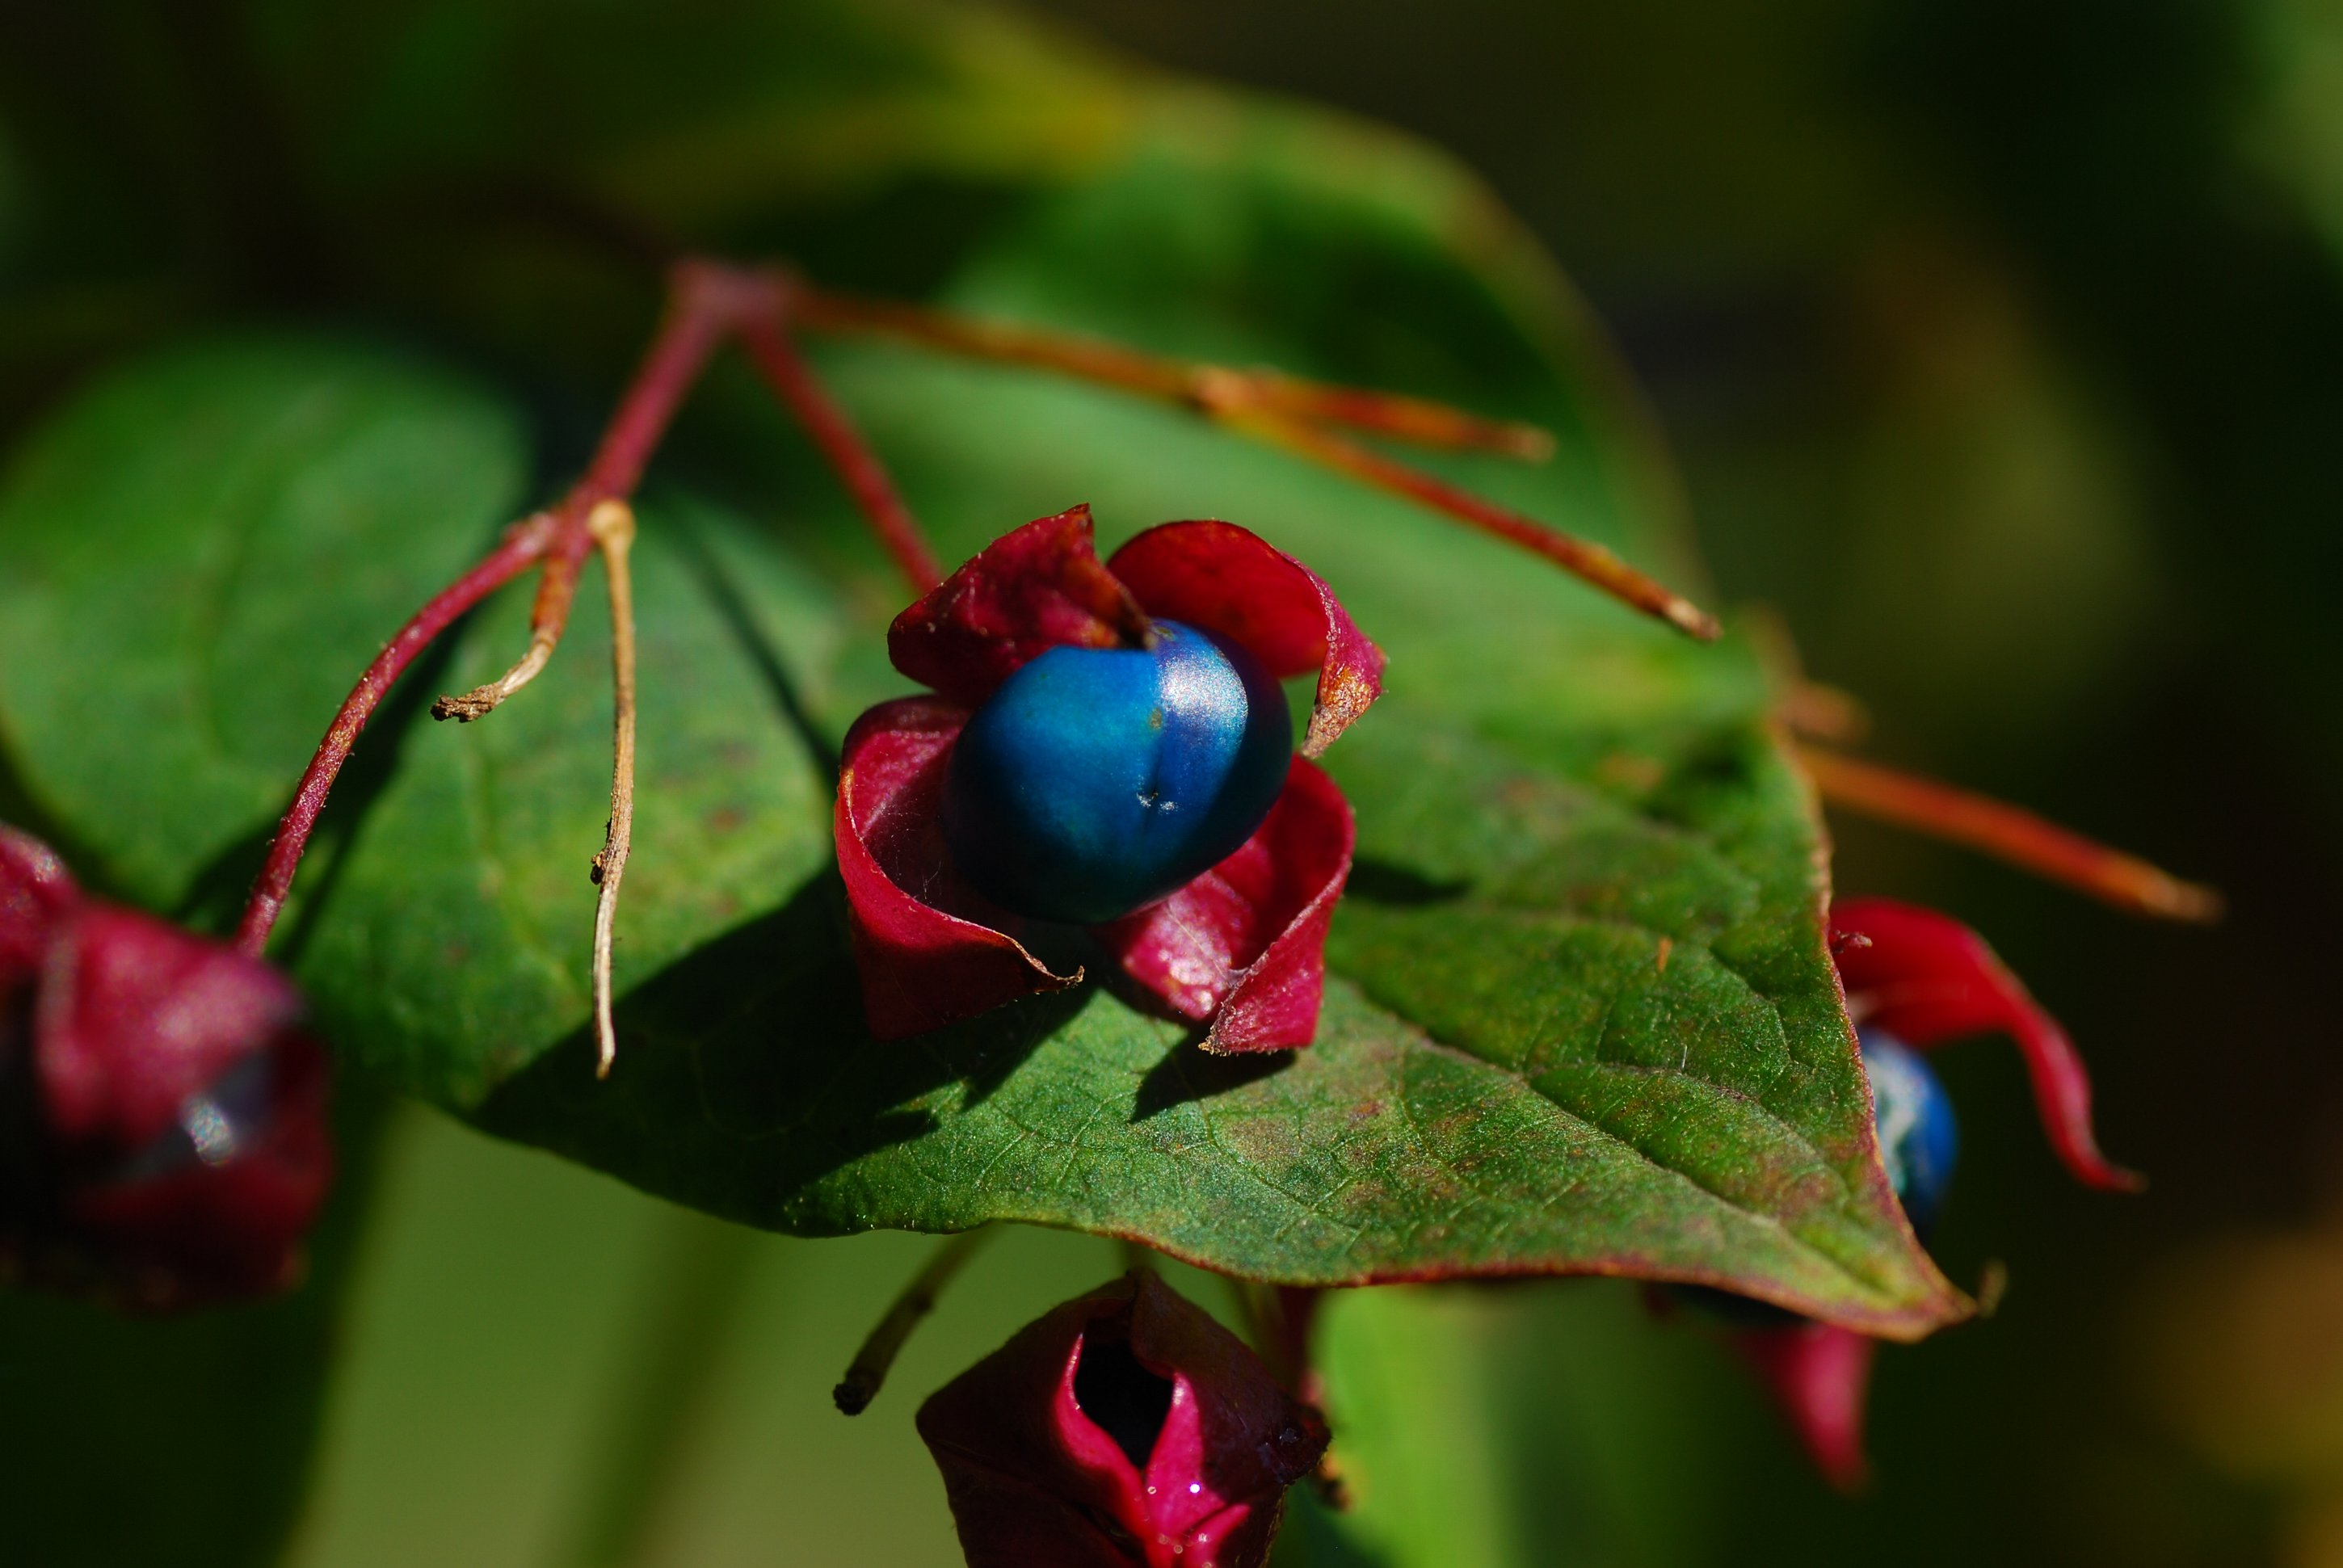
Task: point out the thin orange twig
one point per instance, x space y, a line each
1286 411
557 586
1173 380
2007 832
1590 562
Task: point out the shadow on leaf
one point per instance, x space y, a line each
687 538
217 895
745 1074
1385 882
1187 1075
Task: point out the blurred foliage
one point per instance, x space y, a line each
184 1440
2239 1348
1998 338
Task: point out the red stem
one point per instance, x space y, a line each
858 468
524 546
705 302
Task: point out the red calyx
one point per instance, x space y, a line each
1924 978
1225 580
1038 588
1819 1375
1125 1429
1242 947
930 948
176 1145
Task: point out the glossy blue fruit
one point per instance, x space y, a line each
1919 1137
1097 781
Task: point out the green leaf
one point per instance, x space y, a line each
200 559
1581 1018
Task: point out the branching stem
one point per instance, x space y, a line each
1284 411
2009 833
706 303
709 302
525 544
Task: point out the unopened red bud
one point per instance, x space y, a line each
1818 1374
168 1142
1125 1429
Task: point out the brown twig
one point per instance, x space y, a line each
867 1373
613 527
2008 833
556 588
705 303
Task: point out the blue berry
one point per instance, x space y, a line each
1097 781
1919 1137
